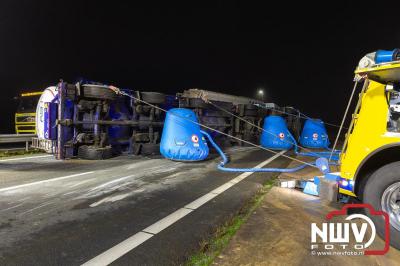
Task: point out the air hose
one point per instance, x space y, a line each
318 154
221 165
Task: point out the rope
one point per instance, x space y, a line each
310 152
119 92
302 115
344 118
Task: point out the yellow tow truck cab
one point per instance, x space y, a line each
25 115
370 158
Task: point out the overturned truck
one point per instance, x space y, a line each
88 120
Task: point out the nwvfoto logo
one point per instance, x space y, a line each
337 235
340 232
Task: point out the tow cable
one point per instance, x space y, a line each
331 154
321 164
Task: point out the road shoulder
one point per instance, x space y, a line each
278 233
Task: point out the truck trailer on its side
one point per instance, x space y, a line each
89 120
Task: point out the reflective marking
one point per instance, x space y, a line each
200 201
119 250
157 227
43 181
222 188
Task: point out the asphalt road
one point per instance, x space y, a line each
140 211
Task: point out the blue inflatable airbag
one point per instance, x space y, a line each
314 134
181 139
276 135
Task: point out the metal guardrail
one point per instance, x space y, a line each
17 138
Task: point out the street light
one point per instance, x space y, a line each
261 94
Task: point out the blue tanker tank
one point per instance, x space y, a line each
276 135
314 134
181 138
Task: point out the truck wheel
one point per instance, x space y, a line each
94 153
153 97
98 92
382 191
150 149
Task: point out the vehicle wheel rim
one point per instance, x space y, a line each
391 204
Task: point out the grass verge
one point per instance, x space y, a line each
211 248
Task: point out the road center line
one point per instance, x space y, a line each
137 239
43 181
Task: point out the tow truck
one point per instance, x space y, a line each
370 159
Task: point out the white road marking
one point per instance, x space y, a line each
157 227
200 201
119 250
25 158
43 181
82 182
127 245
37 207
72 192
13 207
222 188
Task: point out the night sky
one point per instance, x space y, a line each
303 55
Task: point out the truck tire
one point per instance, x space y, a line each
150 149
94 153
153 97
383 185
98 92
